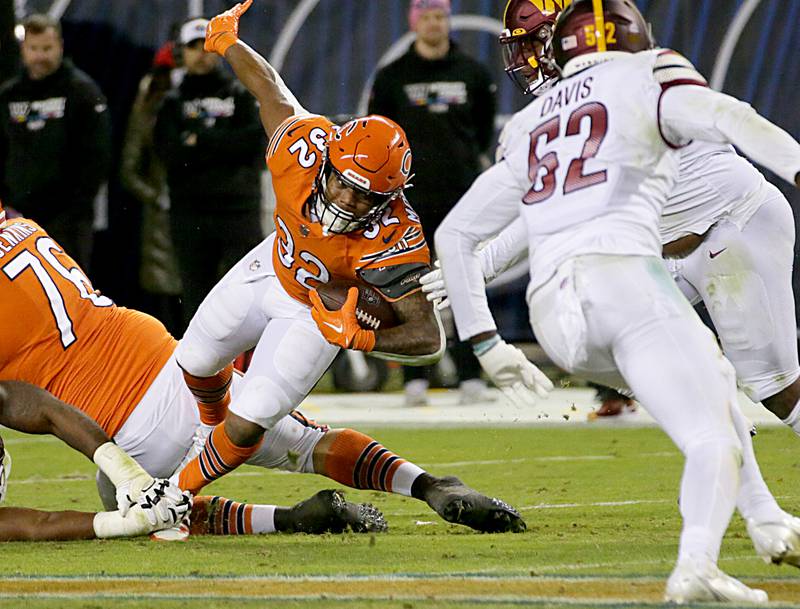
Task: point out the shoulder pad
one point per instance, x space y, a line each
672 68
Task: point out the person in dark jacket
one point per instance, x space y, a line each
55 140
209 134
445 102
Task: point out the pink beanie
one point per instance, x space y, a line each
418 7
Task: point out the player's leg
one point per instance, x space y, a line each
324 512
357 460
288 360
672 364
747 288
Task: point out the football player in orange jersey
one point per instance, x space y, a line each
117 365
30 409
339 213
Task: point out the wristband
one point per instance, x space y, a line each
483 346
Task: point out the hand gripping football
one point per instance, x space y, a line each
373 311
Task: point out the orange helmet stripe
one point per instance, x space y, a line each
599 25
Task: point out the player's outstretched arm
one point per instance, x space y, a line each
276 101
30 409
23 524
692 112
33 410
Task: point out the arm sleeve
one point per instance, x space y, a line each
89 141
691 112
505 250
491 203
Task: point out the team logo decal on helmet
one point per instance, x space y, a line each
526 42
369 155
600 26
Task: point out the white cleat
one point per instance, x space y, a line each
703 581
777 542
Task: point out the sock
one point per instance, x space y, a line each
755 501
212 394
360 462
219 457
708 496
226 517
793 420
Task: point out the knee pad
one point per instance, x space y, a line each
261 400
107 491
289 446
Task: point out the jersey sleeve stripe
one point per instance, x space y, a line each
279 133
672 69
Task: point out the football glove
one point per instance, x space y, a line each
164 504
433 286
512 373
341 327
222 31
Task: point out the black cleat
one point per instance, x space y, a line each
457 503
328 512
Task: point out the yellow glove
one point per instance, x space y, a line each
341 327
222 31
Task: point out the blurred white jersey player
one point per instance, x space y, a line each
589 166
727 233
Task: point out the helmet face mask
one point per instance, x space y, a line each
333 217
526 43
366 164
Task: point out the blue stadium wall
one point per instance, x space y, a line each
340 42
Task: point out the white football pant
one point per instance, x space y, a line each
621 321
745 279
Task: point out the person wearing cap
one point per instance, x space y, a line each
209 135
55 140
445 101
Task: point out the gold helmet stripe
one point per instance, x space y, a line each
599 25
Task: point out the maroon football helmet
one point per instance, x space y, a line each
577 29
526 42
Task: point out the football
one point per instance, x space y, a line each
373 311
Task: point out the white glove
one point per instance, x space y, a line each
433 286
514 375
164 504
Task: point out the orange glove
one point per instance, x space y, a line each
341 327
222 31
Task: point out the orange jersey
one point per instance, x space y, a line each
303 257
62 335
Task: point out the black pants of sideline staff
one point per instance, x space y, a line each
207 245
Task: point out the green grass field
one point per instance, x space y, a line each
600 505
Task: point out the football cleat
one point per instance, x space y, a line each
612 404
703 581
457 503
328 512
777 542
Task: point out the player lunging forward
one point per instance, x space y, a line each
588 166
340 213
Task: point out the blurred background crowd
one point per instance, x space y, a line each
157 203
